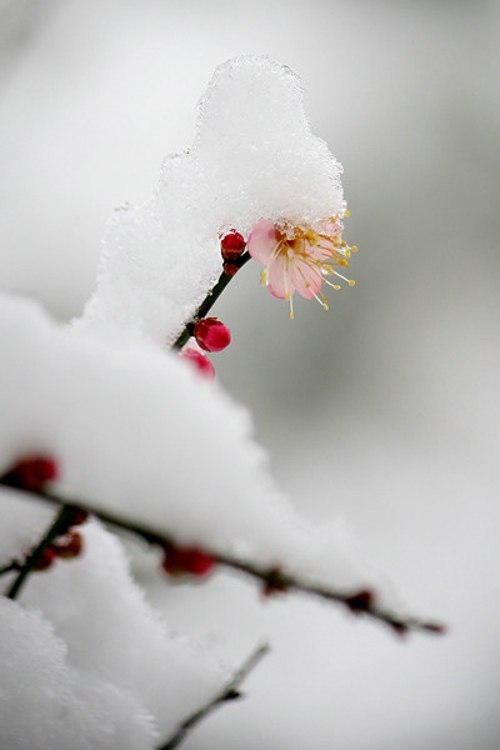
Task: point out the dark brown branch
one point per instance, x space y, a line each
228 693
361 602
58 527
209 301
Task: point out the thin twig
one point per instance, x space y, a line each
209 301
11 567
272 579
58 527
228 693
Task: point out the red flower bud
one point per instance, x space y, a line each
199 361
31 473
232 245
44 559
179 561
68 546
212 335
361 601
274 583
230 269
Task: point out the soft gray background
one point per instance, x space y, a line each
384 410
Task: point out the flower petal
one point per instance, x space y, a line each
305 279
262 241
279 278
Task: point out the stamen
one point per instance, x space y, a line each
323 302
333 286
311 255
351 282
285 280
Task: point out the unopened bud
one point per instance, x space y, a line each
198 361
189 560
44 559
212 335
230 269
361 601
232 245
68 546
31 473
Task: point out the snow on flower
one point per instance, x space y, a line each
254 156
299 258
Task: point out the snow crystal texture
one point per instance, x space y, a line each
253 157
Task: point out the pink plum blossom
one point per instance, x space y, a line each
299 258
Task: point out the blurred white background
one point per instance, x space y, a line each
382 411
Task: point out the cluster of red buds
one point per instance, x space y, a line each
66 547
232 247
187 561
210 334
33 473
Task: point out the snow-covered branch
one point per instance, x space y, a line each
199 562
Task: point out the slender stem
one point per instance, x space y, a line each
209 301
14 565
272 579
228 693
58 527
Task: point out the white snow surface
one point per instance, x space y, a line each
137 433
112 633
91 663
253 157
46 703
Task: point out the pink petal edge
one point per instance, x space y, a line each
262 241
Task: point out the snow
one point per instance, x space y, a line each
253 157
107 394
135 431
45 702
144 423
112 633
355 403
